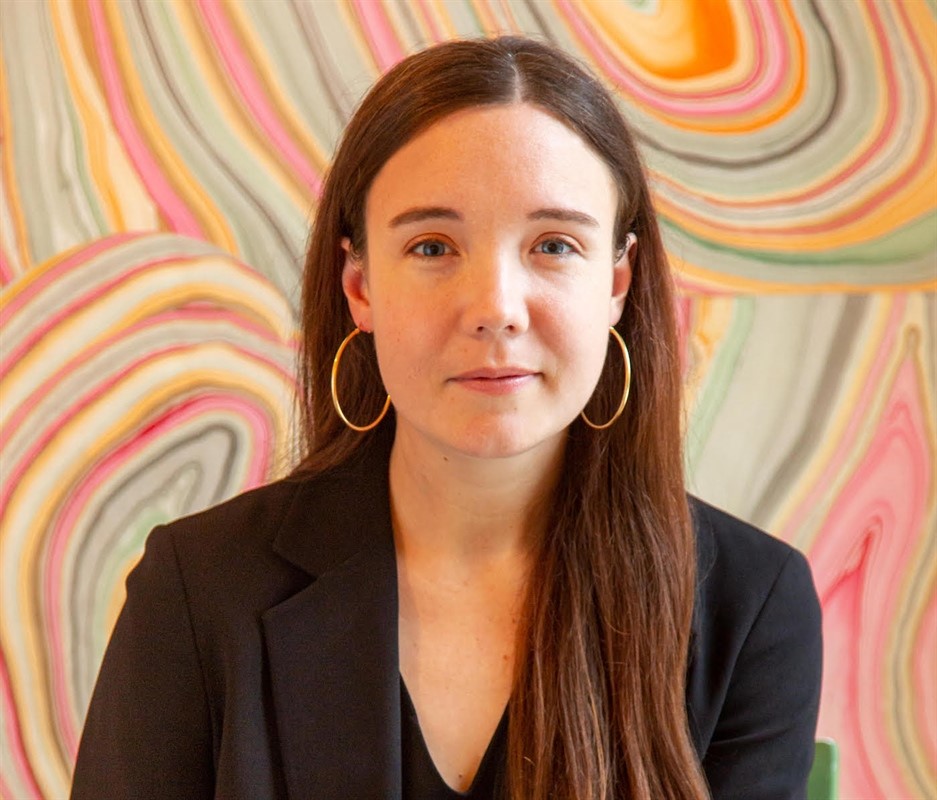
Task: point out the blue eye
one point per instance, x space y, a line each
430 248
554 247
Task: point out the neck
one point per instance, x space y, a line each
459 509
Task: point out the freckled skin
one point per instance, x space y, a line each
494 288
490 301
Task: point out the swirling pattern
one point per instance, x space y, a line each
160 162
144 376
760 165
829 429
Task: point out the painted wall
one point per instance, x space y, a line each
160 161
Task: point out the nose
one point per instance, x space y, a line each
495 296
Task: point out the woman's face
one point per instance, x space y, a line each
490 280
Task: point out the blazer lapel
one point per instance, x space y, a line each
332 647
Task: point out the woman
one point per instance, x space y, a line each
485 575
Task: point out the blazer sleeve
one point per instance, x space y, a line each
762 746
148 730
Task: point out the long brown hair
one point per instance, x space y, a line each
598 705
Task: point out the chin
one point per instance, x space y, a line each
503 441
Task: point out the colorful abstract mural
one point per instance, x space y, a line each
160 163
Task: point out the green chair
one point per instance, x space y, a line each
823 783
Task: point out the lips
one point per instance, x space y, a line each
495 380
494 373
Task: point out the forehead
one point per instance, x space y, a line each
494 156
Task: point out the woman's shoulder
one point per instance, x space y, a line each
756 654
741 570
234 530
300 525
255 513
227 550
734 551
750 587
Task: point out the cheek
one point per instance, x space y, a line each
404 348
592 349
578 329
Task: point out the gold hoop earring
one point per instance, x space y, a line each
624 394
338 408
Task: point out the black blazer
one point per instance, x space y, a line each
256 655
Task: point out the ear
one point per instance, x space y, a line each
355 286
621 278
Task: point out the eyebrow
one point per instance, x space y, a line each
422 213
564 215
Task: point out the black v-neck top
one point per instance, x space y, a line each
421 779
220 613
